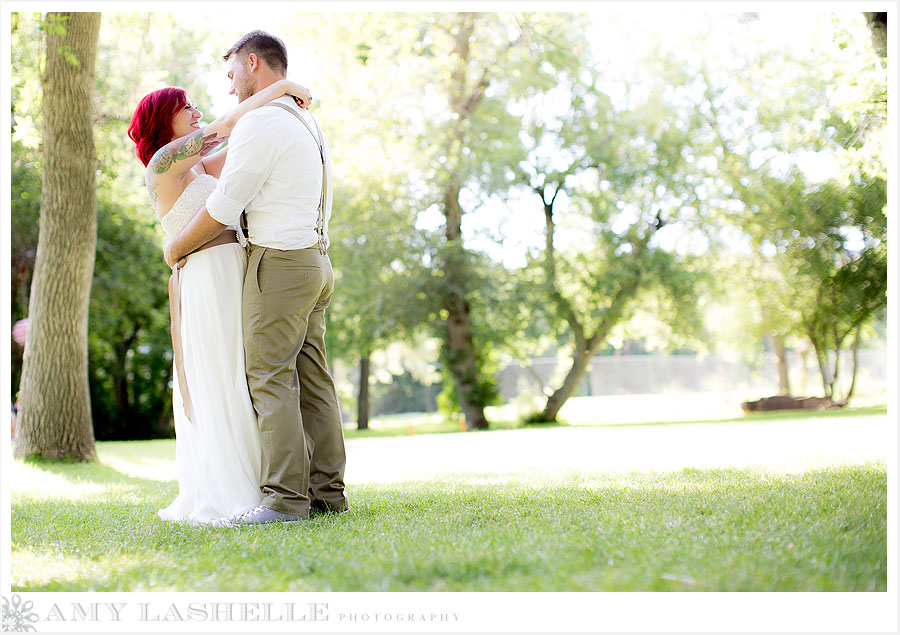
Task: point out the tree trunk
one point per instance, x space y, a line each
777 341
585 346
835 374
878 27
822 359
582 356
55 418
855 366
362 406
460 343
557 399
804 376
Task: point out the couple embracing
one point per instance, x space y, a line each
257 421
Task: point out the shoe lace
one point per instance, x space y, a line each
254 511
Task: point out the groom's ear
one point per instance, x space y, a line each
252 62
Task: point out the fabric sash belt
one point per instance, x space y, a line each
226 237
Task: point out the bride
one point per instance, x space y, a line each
217 446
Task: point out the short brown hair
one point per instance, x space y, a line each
266 46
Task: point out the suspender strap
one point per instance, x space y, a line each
319 139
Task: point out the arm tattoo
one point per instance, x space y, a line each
196 145
152 188
163 162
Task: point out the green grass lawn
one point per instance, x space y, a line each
92 527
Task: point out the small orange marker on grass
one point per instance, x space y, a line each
409 426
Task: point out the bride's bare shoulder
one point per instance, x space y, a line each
164 189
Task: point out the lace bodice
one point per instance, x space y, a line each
188 204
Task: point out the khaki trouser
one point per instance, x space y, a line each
285 296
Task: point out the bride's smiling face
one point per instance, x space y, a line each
186 121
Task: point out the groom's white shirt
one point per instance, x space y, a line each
273 170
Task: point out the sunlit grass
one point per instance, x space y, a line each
94 528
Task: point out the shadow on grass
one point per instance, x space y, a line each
93 472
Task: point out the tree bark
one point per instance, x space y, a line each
460 345
55 418
362 406
804 377
586 348
777 341
561 395
835 373
584 352
827 386
821 355
878 27
460 342
854 367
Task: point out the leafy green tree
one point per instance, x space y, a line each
458 142
621 174
376 275
130 350
826 236
482 63
752 306
841 261
376 249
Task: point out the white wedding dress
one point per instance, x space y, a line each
217 452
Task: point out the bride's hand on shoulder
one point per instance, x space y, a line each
300 94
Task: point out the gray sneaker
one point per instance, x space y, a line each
261 515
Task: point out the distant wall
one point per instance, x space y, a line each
648 374
632 375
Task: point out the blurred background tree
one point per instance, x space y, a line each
511 185
807 182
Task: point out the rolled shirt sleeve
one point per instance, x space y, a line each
251 154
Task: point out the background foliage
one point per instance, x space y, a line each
711 187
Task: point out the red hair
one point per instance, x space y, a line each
151 124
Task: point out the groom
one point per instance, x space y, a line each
278 171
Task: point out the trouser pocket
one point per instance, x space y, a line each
254 264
